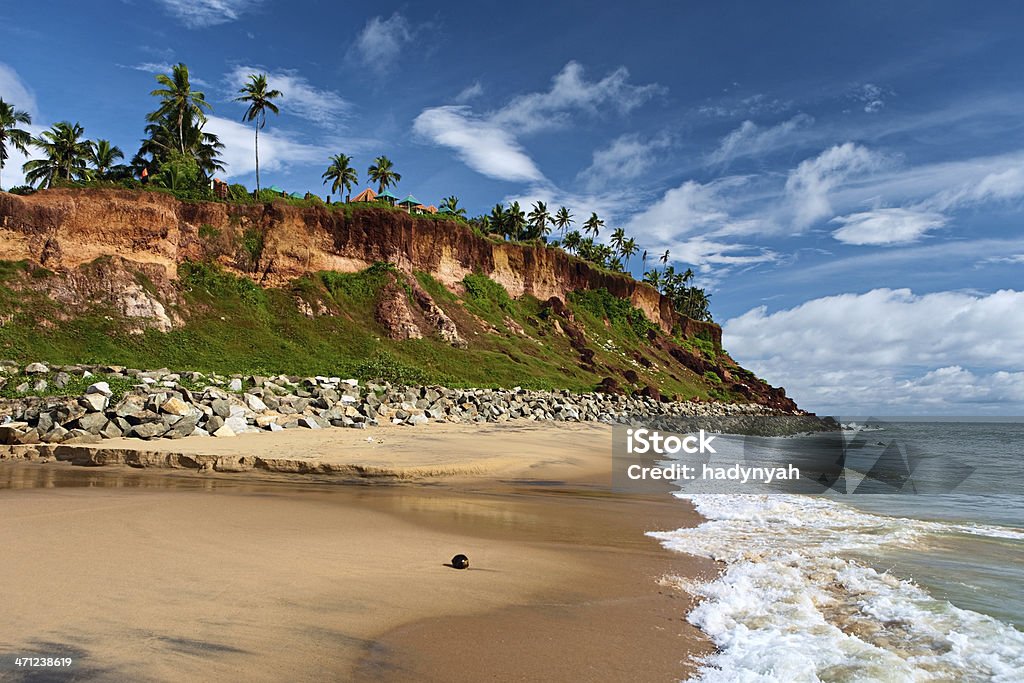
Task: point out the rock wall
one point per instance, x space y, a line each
64 229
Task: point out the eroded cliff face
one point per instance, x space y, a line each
64 229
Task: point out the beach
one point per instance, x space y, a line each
163 574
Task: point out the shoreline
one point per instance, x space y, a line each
553 553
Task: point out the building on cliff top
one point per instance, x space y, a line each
367 195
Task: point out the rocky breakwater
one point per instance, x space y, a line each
160 404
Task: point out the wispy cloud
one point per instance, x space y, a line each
871 97
627 158
278 150
206 13
381 41
470 92
810 183
479 143
752 140
489 142
885 227
14 91
299 97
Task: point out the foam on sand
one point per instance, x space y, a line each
792 606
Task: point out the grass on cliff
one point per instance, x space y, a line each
234 326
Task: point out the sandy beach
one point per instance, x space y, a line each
156 574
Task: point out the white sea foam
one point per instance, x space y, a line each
790 606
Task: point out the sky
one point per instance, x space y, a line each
846 178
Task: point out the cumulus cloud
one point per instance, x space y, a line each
626 158
480 144
809 184
298 96
884 227
381 41
751 140
489 142
890 350
277 150
206 13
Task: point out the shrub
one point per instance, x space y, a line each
384 367
23 190
484 290
622 315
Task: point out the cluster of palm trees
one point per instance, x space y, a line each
693 302
66 154
342 175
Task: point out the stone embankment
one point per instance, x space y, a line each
170 405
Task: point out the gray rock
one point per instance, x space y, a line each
36 369
224 431
254 403
221 408
94 403
148 430
99 388
214 423
111 430
309 423
234 385
92 423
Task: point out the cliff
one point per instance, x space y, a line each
145 280
64 229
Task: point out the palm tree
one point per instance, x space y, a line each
104 156
179 102
664 260
64 155
653 278
516 221
593 225
644 262
499 220
563 219
571 241
162 145
452 204
539 219
19 139
618 239
341 172
628 248
260 101
383 173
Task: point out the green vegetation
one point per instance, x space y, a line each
622 315
234 326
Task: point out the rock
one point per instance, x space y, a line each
92 423
221 407
23 388
94 403
224 431
309 423
235 385
130 405
182 428
111 430
55 435
254 403
148 430
11 432
418 420
214 423
237 424
274 427
99 388
40 386
175 406
36 369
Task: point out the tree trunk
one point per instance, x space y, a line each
257 160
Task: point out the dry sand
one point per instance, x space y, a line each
147 575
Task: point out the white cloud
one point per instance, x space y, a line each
1013 259
488 143
884 227
753 105
470 92
1001 184
871 96
299 97
809 184
681 210
277 150
205 13
626 158
14 92
380 42
751 140
480 144
890 350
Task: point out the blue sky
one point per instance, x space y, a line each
846 178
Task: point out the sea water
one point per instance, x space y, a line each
907 587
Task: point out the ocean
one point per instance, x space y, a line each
913 586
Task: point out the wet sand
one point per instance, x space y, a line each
169 575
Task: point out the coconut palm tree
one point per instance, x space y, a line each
65 155
382 172
516 221
618 239
342 173
571 241
10 119
163 142
452 204
179 102
539 219
103 157
563 219
593 225
260 100
643 260
499 220
664 260
628 249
